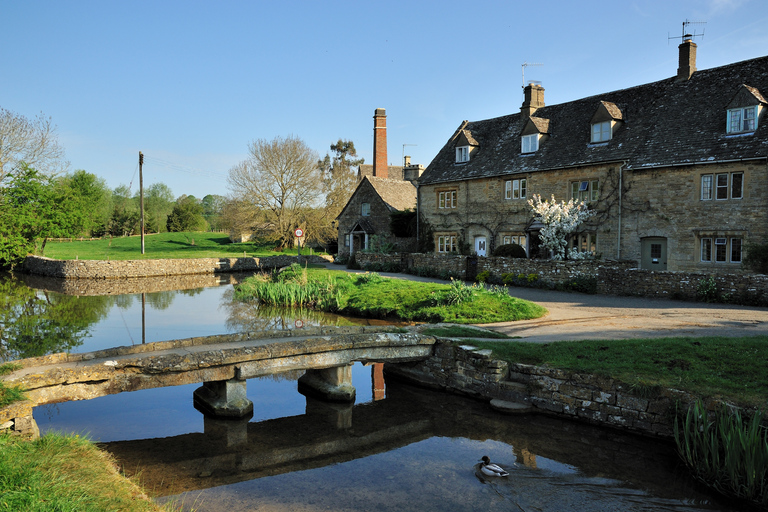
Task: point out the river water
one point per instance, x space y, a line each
397 448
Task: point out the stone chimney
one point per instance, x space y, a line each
380 165
533 99
687 65
406 160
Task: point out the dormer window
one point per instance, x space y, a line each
529 143
744 109
742 119
607 117
535 130
601 132
462 154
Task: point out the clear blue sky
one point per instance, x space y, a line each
192 83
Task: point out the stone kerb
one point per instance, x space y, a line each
111 269
588 398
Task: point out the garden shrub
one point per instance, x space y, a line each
510 251
482 276
707 290
756 258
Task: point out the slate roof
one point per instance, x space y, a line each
664 123
394 172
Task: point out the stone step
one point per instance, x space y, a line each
510 407
514 391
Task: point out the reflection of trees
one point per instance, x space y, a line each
250 316
161 300
35 323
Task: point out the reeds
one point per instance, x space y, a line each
728 452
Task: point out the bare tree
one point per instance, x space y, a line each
32 141
279 181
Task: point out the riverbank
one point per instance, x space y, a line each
66 474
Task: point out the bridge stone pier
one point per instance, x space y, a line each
221 363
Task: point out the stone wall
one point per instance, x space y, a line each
101 269
613 277
469 371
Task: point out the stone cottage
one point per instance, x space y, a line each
676 170
382 189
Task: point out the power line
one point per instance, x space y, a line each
158 162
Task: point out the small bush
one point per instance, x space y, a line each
756 258
510 251
482 276
707 290
368 277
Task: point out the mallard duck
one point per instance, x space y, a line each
491 469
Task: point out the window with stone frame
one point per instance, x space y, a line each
722 186
365 209
585 190
584 242
514 239
721 249
446 243
515 189
446 199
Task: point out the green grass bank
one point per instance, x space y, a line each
160 246
370 295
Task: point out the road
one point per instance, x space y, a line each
577 316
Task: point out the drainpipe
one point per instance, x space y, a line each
418 213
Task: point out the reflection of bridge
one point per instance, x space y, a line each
222 363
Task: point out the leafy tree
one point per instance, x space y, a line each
158 204
213 206
32 141
274 186
125 212
91 196
32 209
560 220
187 215
339 182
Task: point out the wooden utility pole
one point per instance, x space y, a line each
141 198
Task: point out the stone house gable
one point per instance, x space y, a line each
659 162
367 212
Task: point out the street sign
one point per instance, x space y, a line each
299 232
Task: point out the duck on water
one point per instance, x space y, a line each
489 469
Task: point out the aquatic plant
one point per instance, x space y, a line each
727 452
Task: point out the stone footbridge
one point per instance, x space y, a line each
222 363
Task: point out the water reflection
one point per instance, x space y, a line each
415 450
41 316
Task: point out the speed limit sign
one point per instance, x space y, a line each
299 232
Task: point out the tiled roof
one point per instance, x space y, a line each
665 123
398 194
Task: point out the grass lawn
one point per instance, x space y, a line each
371 296
159 246
65 473
735 369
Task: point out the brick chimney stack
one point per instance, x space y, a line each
380 165
687 65
533 99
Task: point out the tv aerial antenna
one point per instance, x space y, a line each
525 65
687 32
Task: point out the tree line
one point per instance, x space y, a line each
282 185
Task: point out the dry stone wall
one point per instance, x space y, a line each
469 371
101 269
612 277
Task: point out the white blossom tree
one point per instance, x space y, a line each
560 220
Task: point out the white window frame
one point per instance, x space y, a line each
446 243
529 143
446 199
462 154
721 248
706 250
737 193
365 209
721 186
584 242
742 119
585 190
602 132
516 189
707 187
